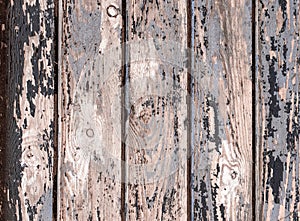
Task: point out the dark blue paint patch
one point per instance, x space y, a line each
214 192
275 181
204 197
151 201
169 202
31 94
222 209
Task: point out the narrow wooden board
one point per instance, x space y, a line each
156 127
4 42
222 110
30 113
278 52
90 110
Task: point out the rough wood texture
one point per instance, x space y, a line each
29 151
166 136
222 110
156 133
278 110
89 103
3 103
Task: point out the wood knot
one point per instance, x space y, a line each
146 122
112 11
90 132
145 115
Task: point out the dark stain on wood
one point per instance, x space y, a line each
29 152
4 43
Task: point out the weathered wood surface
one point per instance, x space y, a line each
166 136
4 42
156 131
222 110
278 110
30 128
90 110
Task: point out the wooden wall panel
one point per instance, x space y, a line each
30 130
90 110
222 110
156 127
277 110
167 135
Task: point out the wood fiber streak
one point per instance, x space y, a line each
30 129
156 134
278 110
222 110
89 106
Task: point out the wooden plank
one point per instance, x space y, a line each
89 106
3 102
156 96
278 110
30 146
222 110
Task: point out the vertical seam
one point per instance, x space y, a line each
190 89
124 73
254 69
58 38
56 114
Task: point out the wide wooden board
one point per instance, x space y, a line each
221 110
29 154
156 132
90 110
277 109
156 104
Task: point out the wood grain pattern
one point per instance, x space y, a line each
89 103
29 151
222 110
156 130
278 110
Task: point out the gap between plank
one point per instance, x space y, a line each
190 115
254 69
58 39
56 114
124 113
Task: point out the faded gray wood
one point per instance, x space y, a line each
90 110
30 130
222 110
156 132
277 109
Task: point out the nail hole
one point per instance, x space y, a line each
90 132
233 175
112 11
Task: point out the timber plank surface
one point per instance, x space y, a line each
278 110
222 111
4 42
30 129
166 110
156 142
90 127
